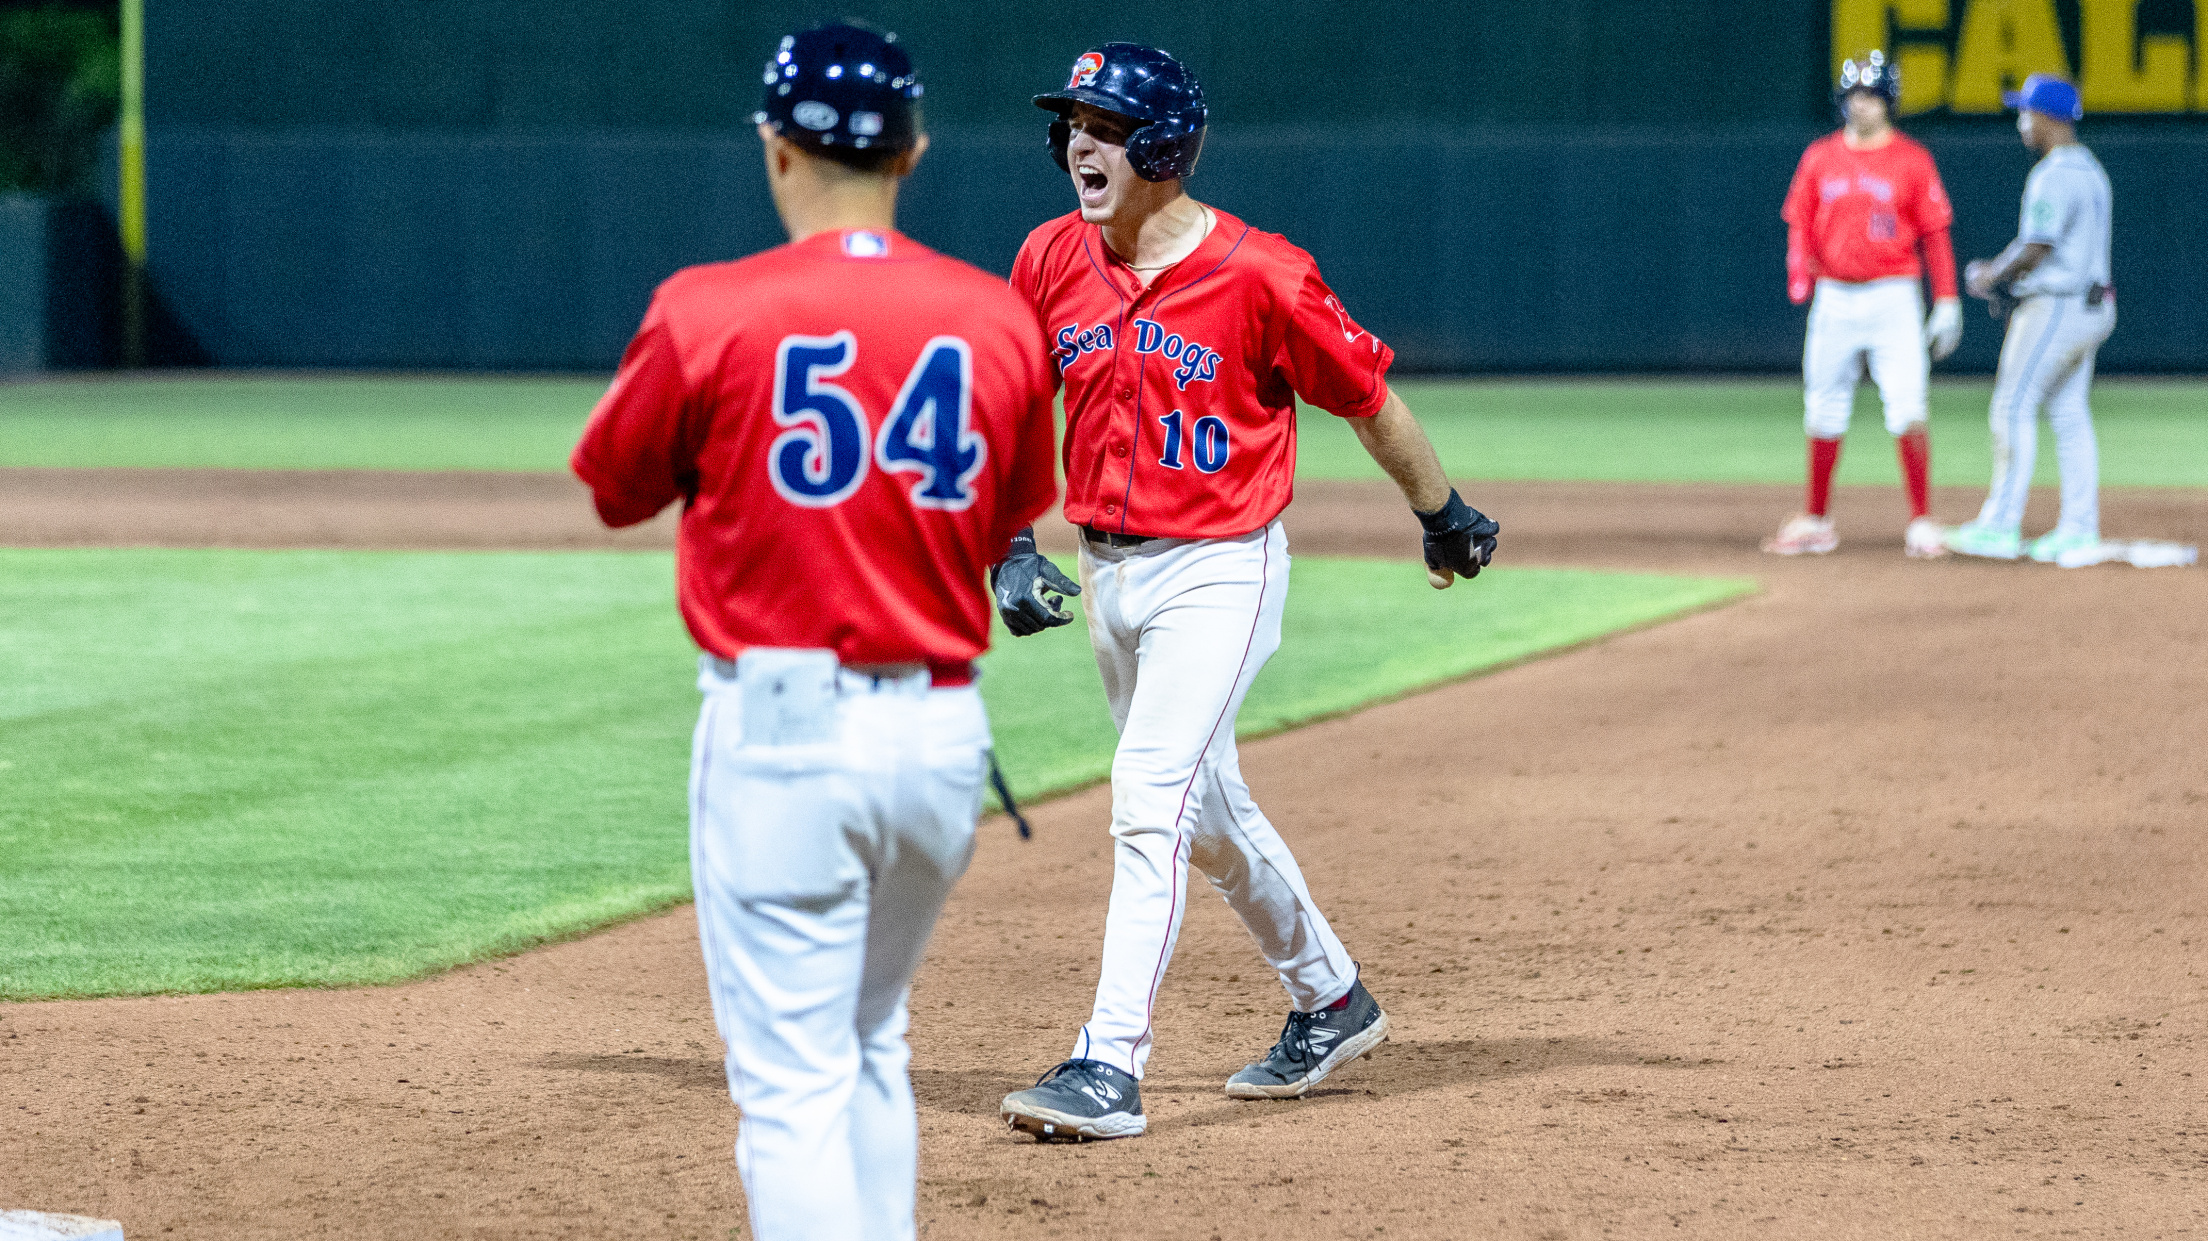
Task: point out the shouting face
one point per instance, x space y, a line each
1096 158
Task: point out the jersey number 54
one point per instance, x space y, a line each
821 459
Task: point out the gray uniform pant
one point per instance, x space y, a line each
2047 360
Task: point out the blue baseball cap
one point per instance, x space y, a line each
2044 92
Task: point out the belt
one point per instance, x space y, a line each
1108 539
942 673
2091 295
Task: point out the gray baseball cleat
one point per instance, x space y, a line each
1313 1045
1080 1100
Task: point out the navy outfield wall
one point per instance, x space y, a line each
1492 185
1526 248
672 64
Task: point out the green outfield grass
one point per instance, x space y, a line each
1356 632
224 770
2154 433
248 422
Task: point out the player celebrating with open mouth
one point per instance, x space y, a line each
1183 337
1863 200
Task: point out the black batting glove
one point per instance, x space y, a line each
1460 540
1030 590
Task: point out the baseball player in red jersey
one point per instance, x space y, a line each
1183 337
855 426
1863 203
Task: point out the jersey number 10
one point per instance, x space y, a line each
821 459
1207 442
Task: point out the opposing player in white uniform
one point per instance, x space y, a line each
1866 218
1184 337
2057 273
855 426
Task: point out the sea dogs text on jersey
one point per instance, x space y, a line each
1192 361
1074 340
1877 187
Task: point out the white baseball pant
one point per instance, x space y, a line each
2047 360
1878 323
1181 627
820 870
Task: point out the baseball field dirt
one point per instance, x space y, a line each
1874 905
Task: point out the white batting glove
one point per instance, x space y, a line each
1943 331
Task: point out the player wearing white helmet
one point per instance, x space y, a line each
1864 202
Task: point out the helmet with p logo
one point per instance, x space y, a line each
1148 87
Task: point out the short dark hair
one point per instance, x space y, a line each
872 163
850 162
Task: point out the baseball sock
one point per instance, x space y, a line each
1824 455
1915 450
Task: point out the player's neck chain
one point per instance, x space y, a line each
1209 221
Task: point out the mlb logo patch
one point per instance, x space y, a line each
863 243
1086 69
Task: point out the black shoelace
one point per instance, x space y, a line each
1295 1037
1057 1070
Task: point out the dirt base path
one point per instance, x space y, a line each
1669 525
1875 905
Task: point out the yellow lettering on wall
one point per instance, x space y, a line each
2002 42
2120 72
1860 25
1924 76
2200 46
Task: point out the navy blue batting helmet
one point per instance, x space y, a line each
1147 86
1872 72
843 91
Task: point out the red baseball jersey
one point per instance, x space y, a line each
1180 398
1858 215
856 426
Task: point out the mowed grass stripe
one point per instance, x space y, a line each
2153 432
290 422
1356 632
223 770
433 759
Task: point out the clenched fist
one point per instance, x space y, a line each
1460 540
1029 589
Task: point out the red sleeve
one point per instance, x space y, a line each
1801 196
1027 285
634 453
1329 360
1032 483
1799 212
1933 215
1027 275
1932 212
1939 263
1801 270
